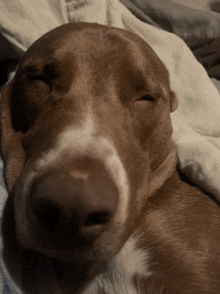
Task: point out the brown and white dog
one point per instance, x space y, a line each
96 204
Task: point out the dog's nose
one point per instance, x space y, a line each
74 201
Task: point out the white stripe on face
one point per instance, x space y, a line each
75 143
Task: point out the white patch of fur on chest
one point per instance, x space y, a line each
121 269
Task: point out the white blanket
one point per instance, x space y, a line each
196 122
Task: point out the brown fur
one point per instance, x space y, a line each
116 74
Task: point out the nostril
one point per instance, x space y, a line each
97 218
63 205
47 213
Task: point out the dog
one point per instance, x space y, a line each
96 203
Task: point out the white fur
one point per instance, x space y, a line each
77 142
118 278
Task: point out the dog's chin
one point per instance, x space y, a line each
73 269
67 273
77 262
69 276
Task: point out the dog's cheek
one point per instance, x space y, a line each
145 116
14 161
11 147
32 95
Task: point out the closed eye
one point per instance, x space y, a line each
146 98
35 77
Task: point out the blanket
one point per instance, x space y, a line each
200 29
196 122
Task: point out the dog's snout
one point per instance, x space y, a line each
81 202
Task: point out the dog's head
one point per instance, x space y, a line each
85 133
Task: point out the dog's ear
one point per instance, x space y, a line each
11 123
173 102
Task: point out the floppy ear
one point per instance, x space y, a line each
173 102
12 152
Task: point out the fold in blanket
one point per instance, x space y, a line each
176 18
199 29
207 52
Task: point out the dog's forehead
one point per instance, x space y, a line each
97 51
95 56
79 34
93 41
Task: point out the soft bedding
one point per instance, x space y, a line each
198 25
196 122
